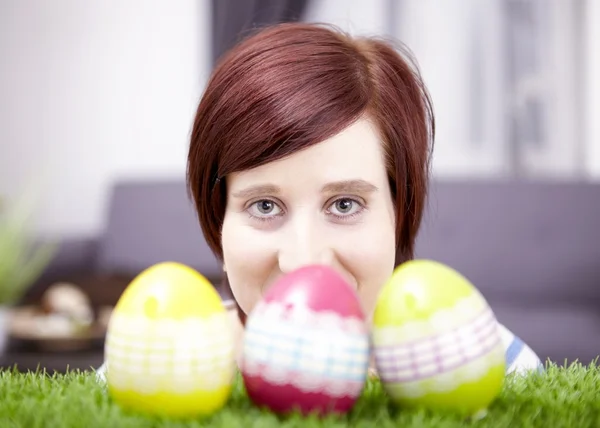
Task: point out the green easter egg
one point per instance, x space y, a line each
436 340
417 289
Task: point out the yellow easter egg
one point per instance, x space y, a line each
169 346
436 341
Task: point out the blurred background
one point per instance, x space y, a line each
97 100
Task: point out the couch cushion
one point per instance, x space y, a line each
150 222
536 239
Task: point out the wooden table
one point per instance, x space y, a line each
29 356
56 361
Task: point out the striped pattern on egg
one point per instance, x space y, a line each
169 355
316 352
454 346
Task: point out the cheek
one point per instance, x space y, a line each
376 265
248 260
370 258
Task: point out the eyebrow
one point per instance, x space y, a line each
253 191
349 186
345 186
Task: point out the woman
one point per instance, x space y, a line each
310 146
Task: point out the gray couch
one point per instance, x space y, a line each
532 249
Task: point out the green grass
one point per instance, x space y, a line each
563 396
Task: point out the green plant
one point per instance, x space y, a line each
21 260
563 396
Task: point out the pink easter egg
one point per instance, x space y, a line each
306 345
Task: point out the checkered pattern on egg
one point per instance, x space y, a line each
454 346
168 355
317 351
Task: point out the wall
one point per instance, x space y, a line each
424 26
462 54
94 91
354 16
591 51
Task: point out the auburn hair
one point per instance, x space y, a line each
293 85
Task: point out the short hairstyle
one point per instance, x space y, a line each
293 85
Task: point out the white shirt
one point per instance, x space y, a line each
520 358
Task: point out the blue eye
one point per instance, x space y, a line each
264 209
345 206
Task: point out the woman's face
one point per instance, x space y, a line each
329 204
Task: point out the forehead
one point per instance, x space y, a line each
356 152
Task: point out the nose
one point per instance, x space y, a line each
303 245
